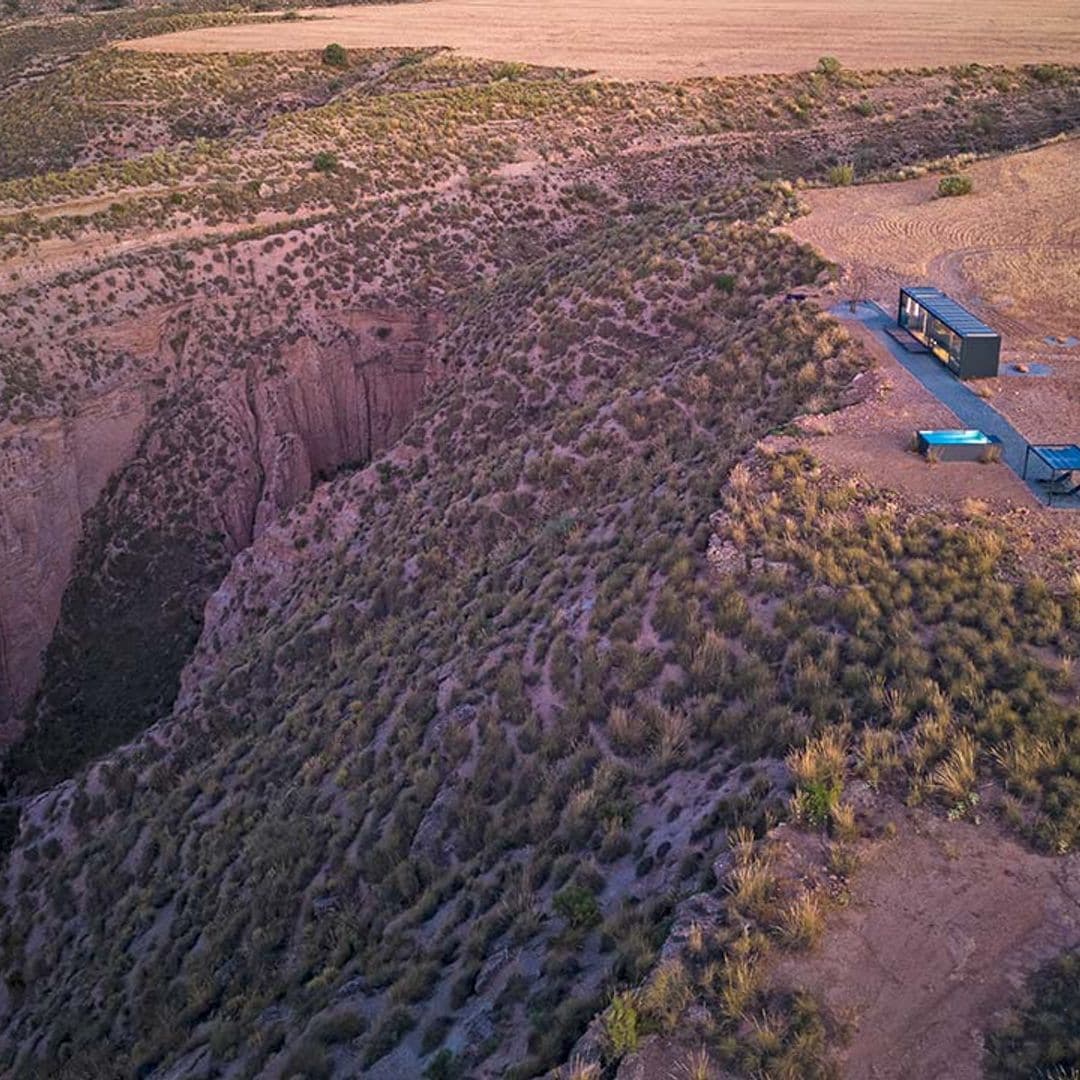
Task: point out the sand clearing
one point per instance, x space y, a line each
1011 249
667 39
944 924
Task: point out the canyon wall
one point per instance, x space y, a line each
336 404
51 472
218 458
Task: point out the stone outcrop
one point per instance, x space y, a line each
222 454
51 472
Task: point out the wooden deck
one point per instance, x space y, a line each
906 340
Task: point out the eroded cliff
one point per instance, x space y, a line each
197 472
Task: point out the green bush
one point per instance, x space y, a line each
842 175
324 161
510 70
1043 1039
829 65
577 906
821 798
1052 74
621 1024
954 185
334 55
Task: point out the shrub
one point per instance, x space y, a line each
738 986
955 777
842 175
1050 74
752 884
954 185
340 1028
443 1066
829 65
621 1024
577 906
802 921
1043 1039
435 1033
324 161
579 1069
819 773
667 994
334 55
697 1065
511 70
387 1033
310 1060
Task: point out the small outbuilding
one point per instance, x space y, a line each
965 344
1061 461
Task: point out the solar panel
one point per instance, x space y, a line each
946 309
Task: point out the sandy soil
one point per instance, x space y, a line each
945 921
1011 248
1010 251
647 39
872 439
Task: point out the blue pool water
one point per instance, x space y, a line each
970 437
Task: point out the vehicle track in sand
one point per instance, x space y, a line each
1011 249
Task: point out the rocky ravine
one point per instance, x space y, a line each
199 466
51 472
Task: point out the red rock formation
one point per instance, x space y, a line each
295 412
51 472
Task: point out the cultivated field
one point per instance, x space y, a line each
640 39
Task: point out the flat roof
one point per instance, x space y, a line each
948 311
1061 457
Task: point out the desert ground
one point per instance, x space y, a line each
1009 251
638 39
943 923
468 608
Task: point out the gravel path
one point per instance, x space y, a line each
970 409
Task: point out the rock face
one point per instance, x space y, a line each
196 474
51 472
336 404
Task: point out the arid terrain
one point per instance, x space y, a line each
640 39
1008 251
468 606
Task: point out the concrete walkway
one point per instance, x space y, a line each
970 409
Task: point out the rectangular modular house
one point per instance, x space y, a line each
965 344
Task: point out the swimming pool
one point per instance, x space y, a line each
967 444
